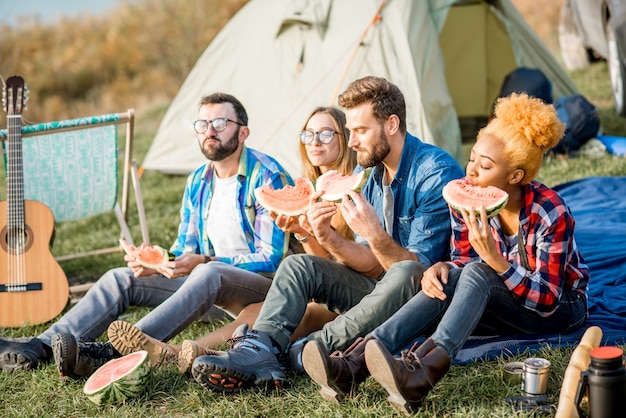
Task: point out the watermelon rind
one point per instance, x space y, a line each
492 206
303 189
136 251
360 179
164 254
126 386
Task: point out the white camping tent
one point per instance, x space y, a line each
282 58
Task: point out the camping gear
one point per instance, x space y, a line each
579 361
605 383
534 404
283 58
614 144
512 373
535 373
530 81
581 119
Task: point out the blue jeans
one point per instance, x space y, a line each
176 302
476 297
362 302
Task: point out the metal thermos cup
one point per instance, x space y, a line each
535 373
606 383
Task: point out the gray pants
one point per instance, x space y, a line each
362 302
177 302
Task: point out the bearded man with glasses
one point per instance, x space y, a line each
228 248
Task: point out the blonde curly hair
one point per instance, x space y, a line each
528 127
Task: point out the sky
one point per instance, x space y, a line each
50 10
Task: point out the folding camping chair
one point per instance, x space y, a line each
72 166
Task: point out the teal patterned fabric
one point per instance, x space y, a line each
74 173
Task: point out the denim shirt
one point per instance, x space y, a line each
421 218
268 244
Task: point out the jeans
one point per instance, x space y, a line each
176 302
362 302
476 296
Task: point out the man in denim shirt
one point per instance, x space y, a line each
400 215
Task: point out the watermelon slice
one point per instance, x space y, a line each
119 379
461 194
288 201
335 185
149 256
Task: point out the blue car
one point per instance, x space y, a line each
590 30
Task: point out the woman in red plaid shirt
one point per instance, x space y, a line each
517 272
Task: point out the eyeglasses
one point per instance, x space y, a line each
219 124
325 137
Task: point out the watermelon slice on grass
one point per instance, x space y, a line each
119 379
461 194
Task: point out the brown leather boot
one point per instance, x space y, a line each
408 379
339 373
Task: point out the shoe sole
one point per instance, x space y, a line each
19 354
316 367
379 361
189 351
127 338
225 379
64 351
219 379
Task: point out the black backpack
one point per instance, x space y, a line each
581 120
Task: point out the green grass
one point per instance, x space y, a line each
476 390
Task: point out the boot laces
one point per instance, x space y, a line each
342 356
412 362
243 341
96 350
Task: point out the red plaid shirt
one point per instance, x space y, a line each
553 257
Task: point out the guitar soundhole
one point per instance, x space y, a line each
15 240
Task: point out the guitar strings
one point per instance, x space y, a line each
16 226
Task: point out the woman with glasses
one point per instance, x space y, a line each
323 147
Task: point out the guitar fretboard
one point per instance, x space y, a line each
15 176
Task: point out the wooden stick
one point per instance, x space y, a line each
579 362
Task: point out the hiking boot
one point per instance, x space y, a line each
22 354
339 373
79 359
250 364
191 350
127 338
409 378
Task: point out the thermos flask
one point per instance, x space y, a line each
605 383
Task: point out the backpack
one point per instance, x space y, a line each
531 81
581 120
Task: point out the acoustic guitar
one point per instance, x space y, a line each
33 286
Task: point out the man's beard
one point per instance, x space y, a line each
223 150
379 153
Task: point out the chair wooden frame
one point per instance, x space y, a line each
129 170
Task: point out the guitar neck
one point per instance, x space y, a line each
15 175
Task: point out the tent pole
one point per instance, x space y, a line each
375 19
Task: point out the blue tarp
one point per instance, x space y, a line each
599 208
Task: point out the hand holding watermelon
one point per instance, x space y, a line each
146 255
361 216
320 215
481 239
